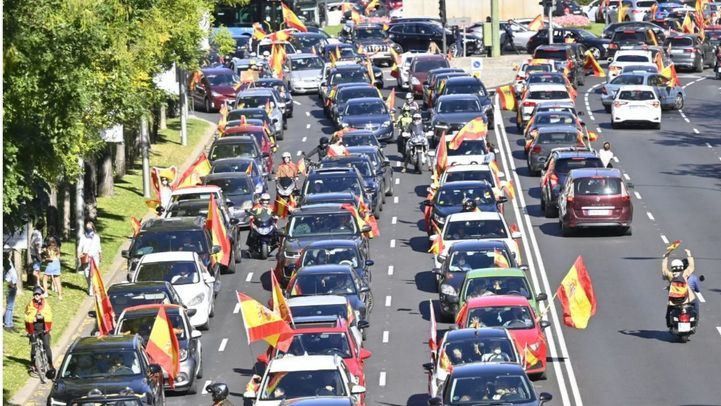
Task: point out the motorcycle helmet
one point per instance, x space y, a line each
416 116
286 155
38 291
323 142
409 97
677 265
469 205
265 197
219 391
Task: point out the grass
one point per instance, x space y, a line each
113 226
333 30
596 28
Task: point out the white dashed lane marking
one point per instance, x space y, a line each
249 277
390 270
307 113
638 195
615 159
719 329
304 139
599 130
709 145
223 343
398 181
236 309
700 297
395 199
394 220
664 239
382 378
307 126
650 216
386 336
205 385
393 243
388 301
297 103
696 130
299 153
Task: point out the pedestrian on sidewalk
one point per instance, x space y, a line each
89 247
52 256
606 155
11 279
36 249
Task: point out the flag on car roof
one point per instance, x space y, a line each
391 100
499 260
103 309
442 155
292 20
163 347
475 129
279 36
507 97
433 340
215 225
262 323
258 32
280 305
277 58
192 175
577 296
536 24
591 64
669 73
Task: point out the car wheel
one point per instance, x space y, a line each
281 135
596 53
678 104
565 230
206 106
656 126
699 66
193 388
238 256
625 231
212 310
205 326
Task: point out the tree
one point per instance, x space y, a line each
222 41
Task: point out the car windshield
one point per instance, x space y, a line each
490 390
469 175
556 79
177 273
241 149
320 344
313 284
628 80
309 63
497 285
636 95
255 101
306 41
121 300
633 58
191 209
597 186
161 241
360 139
323 256
475 229
143 324
370 33
325 224
459 106
479 349
642 68
544 67
237 166
366 109
349 76
555 54
548 95
463 261
466 88
429 64
511 317
334 184
557 138
100 364
543 109
347 94
678 42
632 36
563 166
298 384
222 79
336 310
232 186
455 196
554 118
469 147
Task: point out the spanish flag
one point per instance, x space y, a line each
499 260
507 97
355 16
530 357
217 230
277 58
622 13
195 79
156 173
433 340
163 347
263 324
591 64
669 73
396 59
461 314
350 208
509 190
371 6
103 309
437 247
192 175
135 224
282 207
536 24
672 247
687 25
258 32
373 223
292 20
473 130
280 305
279 36
391 100
249 169
577 297
442 155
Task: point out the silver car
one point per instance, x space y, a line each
263 97
302 72
670 97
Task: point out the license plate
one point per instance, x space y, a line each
684 327
599 212
677 51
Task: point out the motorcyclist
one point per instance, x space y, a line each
416 129
679 274
403 123
262 206
287 169
321 150
219 392
410 102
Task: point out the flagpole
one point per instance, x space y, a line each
543 313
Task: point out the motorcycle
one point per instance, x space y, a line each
263 237
683 319
417 150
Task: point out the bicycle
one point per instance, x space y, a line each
40 356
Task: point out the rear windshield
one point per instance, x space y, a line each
309 63
679 42
105 364
557 79
120 300
556 138
628 80
349 76
538 68
636 95
177 273
455 196
222 79
255 101
554 119
633 58
326 224
162 241
232 186
366 109
469 147
645 4
633 36
597 186
345 95
339 310
256 114
459 106
245 149
548 95
475 230
565 165
470 175
220 167
642 68
426 65
470 88
550 54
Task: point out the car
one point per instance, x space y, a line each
344 94
450 197
524 70
546 119
352 73
125 294
636 104
464 85
671 97
691 52
281 87
461 258
554 106
96 398
470 152
610 29
313 309
346 52
557 78
317 222
403 79
332 180
333 279
436 84
538 93
195 285
361 138
418 35
341 252
241 146
714 34
258 113
238 188
379 162
419 68
467 346
711 11
591 42
627 57
302 73
631 38
368 113
595 197
515 314
242 165
308 42
452 112
372 181
216 88
261 136
548 138
324 401
290 378
478 172
88 364
636 10
504 383
266 45
173 234
566 57
373 39
477 225
268 99
559 164
139 320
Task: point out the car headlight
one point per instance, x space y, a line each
415 81
448 290
386 123
196 300
183 354
439 219
291 254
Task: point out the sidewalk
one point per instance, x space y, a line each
33 393
496 71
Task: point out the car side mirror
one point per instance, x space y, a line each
365 354
196 334
363 324
209 280
541 297
92 314
365 289
234 221
545 324
125 254
191 312
428 366
630 185
434 402
370 262
357 390
215 249
366 229
155 369
545 397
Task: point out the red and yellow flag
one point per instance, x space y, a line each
391 100
277 58
433 340
192 175
369 68
687 26
292 20
372 5
163 347
499 260
669 73
156 173
135 224
577 297
536 24
509 190
622 13
442 155
280 305
258 32
279 36
103 309
215 225
530 357
507 97
672 247
461 314
396 59
591 64
263 324
355 16
473 130
658 59
437 247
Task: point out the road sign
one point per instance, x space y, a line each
476 66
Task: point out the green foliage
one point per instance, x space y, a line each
222 41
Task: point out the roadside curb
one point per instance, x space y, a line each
81 324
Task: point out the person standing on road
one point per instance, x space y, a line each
39 319
606 155
11 279
89 247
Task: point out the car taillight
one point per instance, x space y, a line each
655 104
529 104
619 103
536 149
625 197
684 317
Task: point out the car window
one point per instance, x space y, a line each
459 106
142 325
255 101
339 310
475 229
324 256
360 139
349 76
559 54
563 166
636 95
678 42
121 300
149 242
309 63
557 79
548 95
554 119
326 224
480 349
297 384
366 109
348 94
334 184
556 138
597 186
463 261
369 33
469 147
466 88
633 58
320 344
252 114
312 284
100 364
629 36
628 80
455 196
177 273
497 285
425 65
470 175
506 389
244 149
232 186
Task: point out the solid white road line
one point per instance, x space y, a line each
700 297
388 301
299 153
394 220
650 216
664 239
398 181
249 277
382 379
223 343
393 243
687 120
297 103
205 385
395 199
696 130
386 336
625 175
236 309
638 195
390 270
510 166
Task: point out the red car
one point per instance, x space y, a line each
595 197
514 313
216 87
261 135
419 69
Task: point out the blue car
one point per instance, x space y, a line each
241 165
368 113
341 252
670 97
450 197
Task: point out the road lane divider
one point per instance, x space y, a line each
638 195
664 239
393 243
205 385
700 297
395 199
236 309
249 277
382 379
304 139
388 301
650 216
386 336
718 329
223 343
296 102
394 220
390 270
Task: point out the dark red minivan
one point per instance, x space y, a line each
595 197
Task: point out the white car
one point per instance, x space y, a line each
519 84
306 307
628 57
259 97
457 173
190 278
470 152
306 376
537 93
483 226
636 104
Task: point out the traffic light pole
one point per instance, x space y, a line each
442 14
495 30
550 24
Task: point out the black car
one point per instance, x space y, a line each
450 197
368 113
345 93
282 88
245 146
330 198
628 38
469 85
630 25
553 176
308 42
357 138
461 258
373 182
341 74
238 189
454 111
125 294
113 363
380 163
332 180
565 56
590 41
340 252
374 41
418 35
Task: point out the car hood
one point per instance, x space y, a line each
77 388
312 74
456 118
523 337
225 90
370 119
189 291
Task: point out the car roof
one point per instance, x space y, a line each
468 167
576 154
555 103
636 87
172 224
429 57
458 96
244 159
477 215
466 184
321 300
547 86
168 256
319 208
324 197
304 363
325 269
307 34
642 52
462 80
497 300
466 333
368 25
472 245
475 368
153 308
107 342
235 139
253 91
225 175
359 100
551 47
492 272
362 148
124 286
196 189
302 56
591 172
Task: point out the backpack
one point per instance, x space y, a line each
678 290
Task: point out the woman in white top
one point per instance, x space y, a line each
89 247
605 154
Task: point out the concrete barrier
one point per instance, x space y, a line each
496 71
